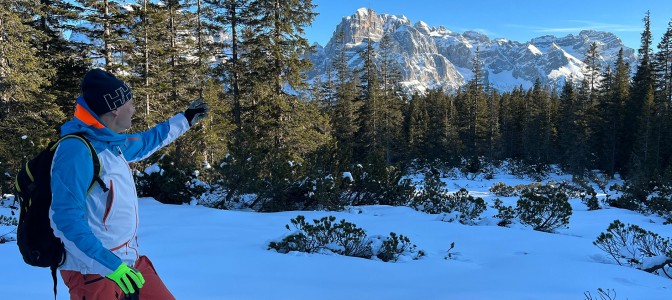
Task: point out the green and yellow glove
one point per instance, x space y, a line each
127 278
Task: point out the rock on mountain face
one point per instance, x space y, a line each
435 57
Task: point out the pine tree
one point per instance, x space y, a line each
145 83
639 112
441 137
664 66
538 126
368 140
53 19
392 102
206 85
572 135
418 128
284 128
618 151
278 41
229 15
28 119
106 26
475 128
493 134
663 69
513 116
592 70
344 115
604 121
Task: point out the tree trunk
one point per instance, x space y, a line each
106 36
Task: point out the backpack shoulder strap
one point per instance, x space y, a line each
97 170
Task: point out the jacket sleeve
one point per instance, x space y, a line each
141 145
71 174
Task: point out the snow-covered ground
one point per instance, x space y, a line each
204 253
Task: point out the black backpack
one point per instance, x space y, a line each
35 237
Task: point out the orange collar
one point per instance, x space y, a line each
85 116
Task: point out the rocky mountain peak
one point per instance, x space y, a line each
436 57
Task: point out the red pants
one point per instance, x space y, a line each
97 287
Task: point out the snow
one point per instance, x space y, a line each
204 253
505 81
650 262
565 72
362 11
422 27
534 50
153 169
415 85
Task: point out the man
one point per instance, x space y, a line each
99 227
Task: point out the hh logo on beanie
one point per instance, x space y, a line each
103 92
121 96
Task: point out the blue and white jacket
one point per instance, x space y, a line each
99 230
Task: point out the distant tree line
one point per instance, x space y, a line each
287 141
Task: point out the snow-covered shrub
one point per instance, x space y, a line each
501 189
6 239
631 245
632 196
352 241
471 166
521 188
602 182
326 193
468 207
505 213
8 218
660 201
396 246
581 188
377 183
432 198
8 221
545 210
537 172
167 182
661 206
593 203
342 238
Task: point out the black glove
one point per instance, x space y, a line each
197 111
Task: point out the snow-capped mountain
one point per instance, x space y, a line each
431 57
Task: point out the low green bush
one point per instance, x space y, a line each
631 245
505 213
397 245
434 198
464 208
343 238
544 210
501 189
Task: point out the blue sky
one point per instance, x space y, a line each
518 20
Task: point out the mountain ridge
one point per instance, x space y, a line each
435 57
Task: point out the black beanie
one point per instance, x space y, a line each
103 92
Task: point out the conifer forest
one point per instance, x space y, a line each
350 138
